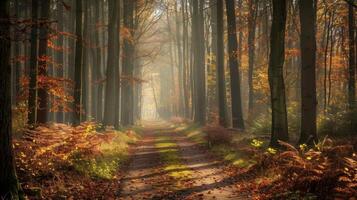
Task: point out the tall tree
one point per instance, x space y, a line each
42 63
279 129
252 18
32 100
111 110
352 67
237 112
60 54
308 71
127 66
99 70
8 180
78 65
180 61
221 83
199 62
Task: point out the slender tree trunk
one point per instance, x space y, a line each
180 63
42 64
99 66
69 116
199 62
127 69
60 55
221 83
117 69
308 133
17 74
78 65
32 100
253 10
85 64
8 180
237 112
279 130
352 67
325 61
173 106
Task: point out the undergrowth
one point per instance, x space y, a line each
64 160
328 170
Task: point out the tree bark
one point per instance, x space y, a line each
60 55
237 112
8 180
99 66
199 62
308 133
279 129
127 67
32 100
253 10
352 67
78 65
42 63
221 83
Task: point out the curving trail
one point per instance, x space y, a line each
147 178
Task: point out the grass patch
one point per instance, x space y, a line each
104 160
194 133
170 155
232 156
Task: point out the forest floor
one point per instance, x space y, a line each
177 160
167 165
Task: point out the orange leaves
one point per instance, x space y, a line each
45 159
126 34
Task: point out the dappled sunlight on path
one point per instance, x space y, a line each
166 165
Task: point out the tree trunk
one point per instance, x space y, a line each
32 100
352 67
99 66
279 130
308 72
78 65
127 69
8 180
221 83
85 64
199 62
253 10
42 63
60 55
180 63
237 113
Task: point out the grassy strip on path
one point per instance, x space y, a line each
170 155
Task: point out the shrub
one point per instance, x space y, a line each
218 135
336 122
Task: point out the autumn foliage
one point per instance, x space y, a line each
58 160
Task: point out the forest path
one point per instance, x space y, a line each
165 164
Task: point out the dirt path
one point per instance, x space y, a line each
147 179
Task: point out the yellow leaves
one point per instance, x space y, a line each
302 147
256 143
271 150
